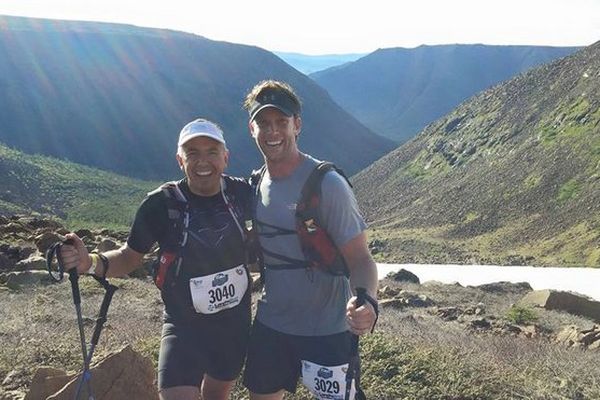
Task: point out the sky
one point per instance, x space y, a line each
340 27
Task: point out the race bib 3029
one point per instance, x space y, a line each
326 382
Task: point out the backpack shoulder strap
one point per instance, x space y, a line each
256 177
311 191
176 200
318 247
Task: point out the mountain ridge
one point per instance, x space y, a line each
97 97
398 91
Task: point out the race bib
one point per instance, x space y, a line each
220 291
326 382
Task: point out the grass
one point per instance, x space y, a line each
569 190
575 246
413 355
79 195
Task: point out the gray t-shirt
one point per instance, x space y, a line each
302 301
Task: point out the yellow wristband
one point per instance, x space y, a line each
94 258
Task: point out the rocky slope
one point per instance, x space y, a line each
510 176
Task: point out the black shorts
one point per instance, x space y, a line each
190 349
274 358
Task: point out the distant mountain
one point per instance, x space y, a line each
80 195
397 92
307 64
115 97
510 176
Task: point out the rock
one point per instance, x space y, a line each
510 328
415 300
6 263
480 308
480 323
376 246
531 331
122 375
13 227
106 245
505 287
563 301
392 303
403 276
46 382
448 313
84 232
11 395
573 336
387 292
14 379
39 223
36 263
15 280
569 335
45 240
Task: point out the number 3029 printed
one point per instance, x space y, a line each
327 386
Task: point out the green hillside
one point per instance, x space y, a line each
79 195
116 96
510 176
397 92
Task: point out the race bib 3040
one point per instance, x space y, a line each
220 291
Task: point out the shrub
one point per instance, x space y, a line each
521 315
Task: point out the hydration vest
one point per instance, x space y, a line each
319 250
167 269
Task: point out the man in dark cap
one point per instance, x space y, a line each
307 315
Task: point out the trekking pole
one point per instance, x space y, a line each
354 363
57 276
108 294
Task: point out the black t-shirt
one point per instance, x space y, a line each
215 242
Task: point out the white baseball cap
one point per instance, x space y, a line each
200 127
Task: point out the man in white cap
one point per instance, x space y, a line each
202 267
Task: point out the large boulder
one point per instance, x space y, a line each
574 336
403 276
123 375
46 382
563 301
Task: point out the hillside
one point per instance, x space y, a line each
308 64
115 97
432 341
79 195
510 176
396 92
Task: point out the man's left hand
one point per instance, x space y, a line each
360 319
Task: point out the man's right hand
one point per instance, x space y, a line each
75 255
